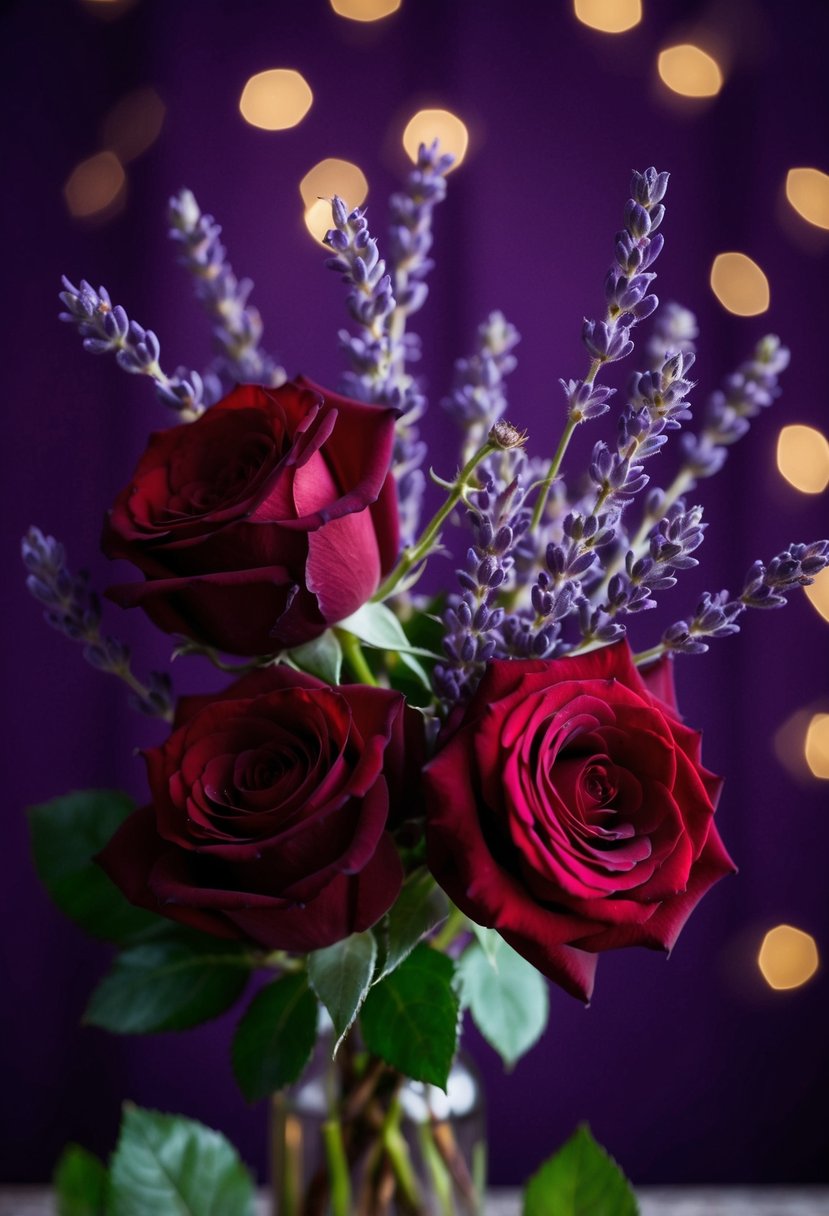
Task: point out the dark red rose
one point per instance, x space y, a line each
570 811
270 811
269 518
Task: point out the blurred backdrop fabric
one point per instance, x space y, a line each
690 1070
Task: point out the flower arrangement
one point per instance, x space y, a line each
397 806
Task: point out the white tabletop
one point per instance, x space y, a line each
662 1201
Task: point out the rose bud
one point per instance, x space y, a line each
570 811
270 811
267 519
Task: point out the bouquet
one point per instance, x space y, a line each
396 806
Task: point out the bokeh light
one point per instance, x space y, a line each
276 99
318 218
788 741
803 458
788 957
365 10
818 593
739 284
817 746
133 124
332 176
95 186
609 16
808 192
428 125
690 71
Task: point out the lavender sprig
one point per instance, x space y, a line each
237 324
410 234
557 591
106 328
674 330
497 520
657 404
669 551
765 586
743 395
381 303
74 609
629 300
370 301
478 397
628 282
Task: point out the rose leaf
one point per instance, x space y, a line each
323 657
165 1165
488 940
377 626
580 1180
420 907
170 984
81 1182
411 1018
66 834
341 976
506 996
275 1038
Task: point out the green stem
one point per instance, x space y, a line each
648 656
398 1154
431 534
355 658
558 456
552 473
455 924
441 1178
332 1133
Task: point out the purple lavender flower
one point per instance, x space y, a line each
743 395
74 609
473 620
380 303
765 586
237 324
478 397
106 329
674 330
628 282
410 234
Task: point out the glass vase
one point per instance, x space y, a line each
356 1138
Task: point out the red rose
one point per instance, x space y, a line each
270 811
270 517
570 811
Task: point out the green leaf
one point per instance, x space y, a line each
323 657
488 940
420 907
66 834
171 984
341 976
81 1183
410 1019
275 1038
507 998
168 1166
377 626
580 1180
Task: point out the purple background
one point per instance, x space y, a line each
691 1070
